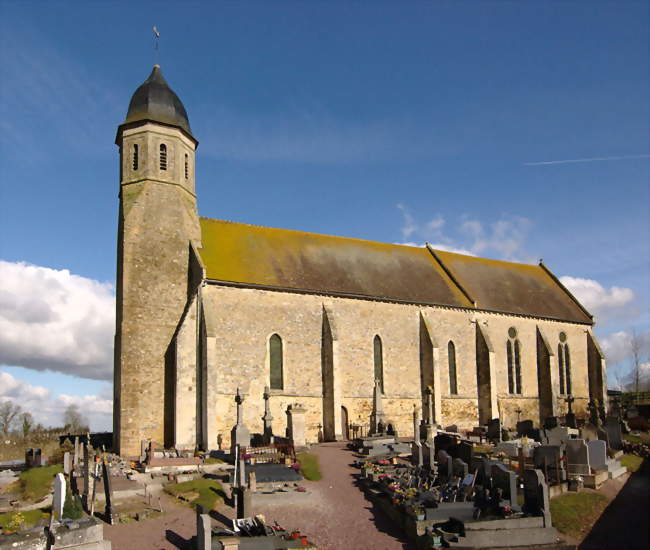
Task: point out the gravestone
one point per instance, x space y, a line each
296 425
67 463
506 480
536 500
460 468
494 430
267 418
86 477
551 422
598 454
445 463
252 482
466 452
589 432
577 457
203 532
614 433
416 452
58 500
524 427
547 458
244 503
77 452
453 428
239 435
29 458
143 450
108 494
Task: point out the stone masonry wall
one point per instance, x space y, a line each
241 321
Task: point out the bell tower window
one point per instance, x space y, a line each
136 157
187 166
163 156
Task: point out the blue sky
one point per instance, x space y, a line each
391 121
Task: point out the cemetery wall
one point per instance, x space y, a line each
240 322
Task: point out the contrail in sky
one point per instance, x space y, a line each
595 159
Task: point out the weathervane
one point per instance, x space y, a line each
156 40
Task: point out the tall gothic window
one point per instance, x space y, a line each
514 362
276 362
136 156
379 361
564 364
187 166
163 156
451 355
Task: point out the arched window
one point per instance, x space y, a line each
163 156
564 365
276 361
379 362
187 166
514 362
136 156
451 354
560 364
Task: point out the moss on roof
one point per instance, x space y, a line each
309 262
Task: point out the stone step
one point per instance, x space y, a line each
512 538
613 474
497 524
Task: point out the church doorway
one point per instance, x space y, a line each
483 381
544 384
345 426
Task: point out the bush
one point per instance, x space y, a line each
72 508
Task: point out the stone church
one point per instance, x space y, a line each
207 306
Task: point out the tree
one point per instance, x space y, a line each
27 423
8 414
74 421
635 350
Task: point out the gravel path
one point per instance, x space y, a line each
336 514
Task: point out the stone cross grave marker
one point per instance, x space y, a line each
570 419
239 435
267 418
378 420
59 496
577 456
536 499
598 454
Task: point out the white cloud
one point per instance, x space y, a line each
503 239
53 320
618 345
604 303
48 409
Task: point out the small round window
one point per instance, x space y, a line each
512 332
562 337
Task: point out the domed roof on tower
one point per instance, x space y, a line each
154 100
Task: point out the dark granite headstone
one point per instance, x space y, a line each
547 458
536 500
494 430
108 494
466 452
445 464
524 427
29 458
452 428
614 433
37 458
506 480
460 468
551 422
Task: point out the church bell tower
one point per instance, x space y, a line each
158 223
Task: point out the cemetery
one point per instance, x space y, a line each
489 487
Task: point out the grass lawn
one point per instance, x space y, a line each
309 466
574 513
209 491
30 518
631 462
212 460
35 483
